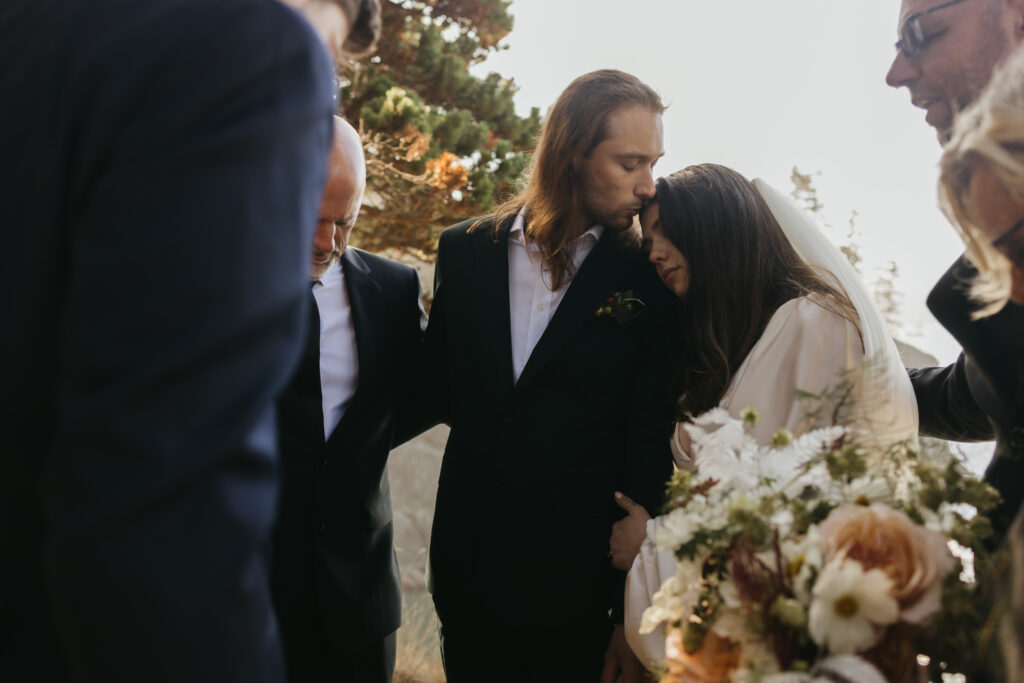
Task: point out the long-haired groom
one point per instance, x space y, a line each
545 355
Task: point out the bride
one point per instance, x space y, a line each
767 306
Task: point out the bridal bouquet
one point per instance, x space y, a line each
818 558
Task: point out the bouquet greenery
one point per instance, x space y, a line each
823 557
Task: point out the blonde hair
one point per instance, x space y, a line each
990 131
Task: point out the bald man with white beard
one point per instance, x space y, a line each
334 575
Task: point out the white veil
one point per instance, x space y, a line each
884 405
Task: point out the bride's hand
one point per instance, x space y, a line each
628 533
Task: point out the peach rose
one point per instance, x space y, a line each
915 558
711 664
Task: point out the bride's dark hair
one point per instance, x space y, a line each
742 268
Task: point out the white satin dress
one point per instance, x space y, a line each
804 346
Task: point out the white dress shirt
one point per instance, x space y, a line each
532 303
339 366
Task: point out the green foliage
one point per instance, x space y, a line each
883 288
442 145
679 490
846 462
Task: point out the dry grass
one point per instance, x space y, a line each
419 655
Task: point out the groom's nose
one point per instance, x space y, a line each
645 188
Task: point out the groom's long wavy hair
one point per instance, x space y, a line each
552 189
742 269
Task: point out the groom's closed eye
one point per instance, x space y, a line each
632 162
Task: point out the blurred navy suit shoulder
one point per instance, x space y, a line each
981 395
163 164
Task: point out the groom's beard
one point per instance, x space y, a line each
617 218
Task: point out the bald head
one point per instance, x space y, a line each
343 194
348 28
346 159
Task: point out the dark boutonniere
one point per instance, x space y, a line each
621 307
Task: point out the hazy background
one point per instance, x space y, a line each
763 86
760 86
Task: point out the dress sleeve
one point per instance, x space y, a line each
651 568
805 347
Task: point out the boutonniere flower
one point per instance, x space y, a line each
621 307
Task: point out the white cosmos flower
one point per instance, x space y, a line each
808 445
712 515
729 468
676 528
713 418
675 599
782 520
715 429
850 606
804 558
816 477
869 489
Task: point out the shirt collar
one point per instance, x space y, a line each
517 233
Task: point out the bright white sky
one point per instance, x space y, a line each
762 86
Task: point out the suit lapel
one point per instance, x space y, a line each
491 256
363 299
588 289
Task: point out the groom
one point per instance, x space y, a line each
544 354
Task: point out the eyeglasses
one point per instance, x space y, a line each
912 37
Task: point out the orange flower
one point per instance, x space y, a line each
711 664
915 558
446 172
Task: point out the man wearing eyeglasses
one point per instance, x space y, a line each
946 54
947 50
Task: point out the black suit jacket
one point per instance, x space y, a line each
163 164
525 499
334 570
981 395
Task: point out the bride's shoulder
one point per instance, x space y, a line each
813 308
812 313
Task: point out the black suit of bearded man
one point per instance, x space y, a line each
164 160
519 548
981 395
334 574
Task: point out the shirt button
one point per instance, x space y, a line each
508 422
323 526
540 307
323 463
